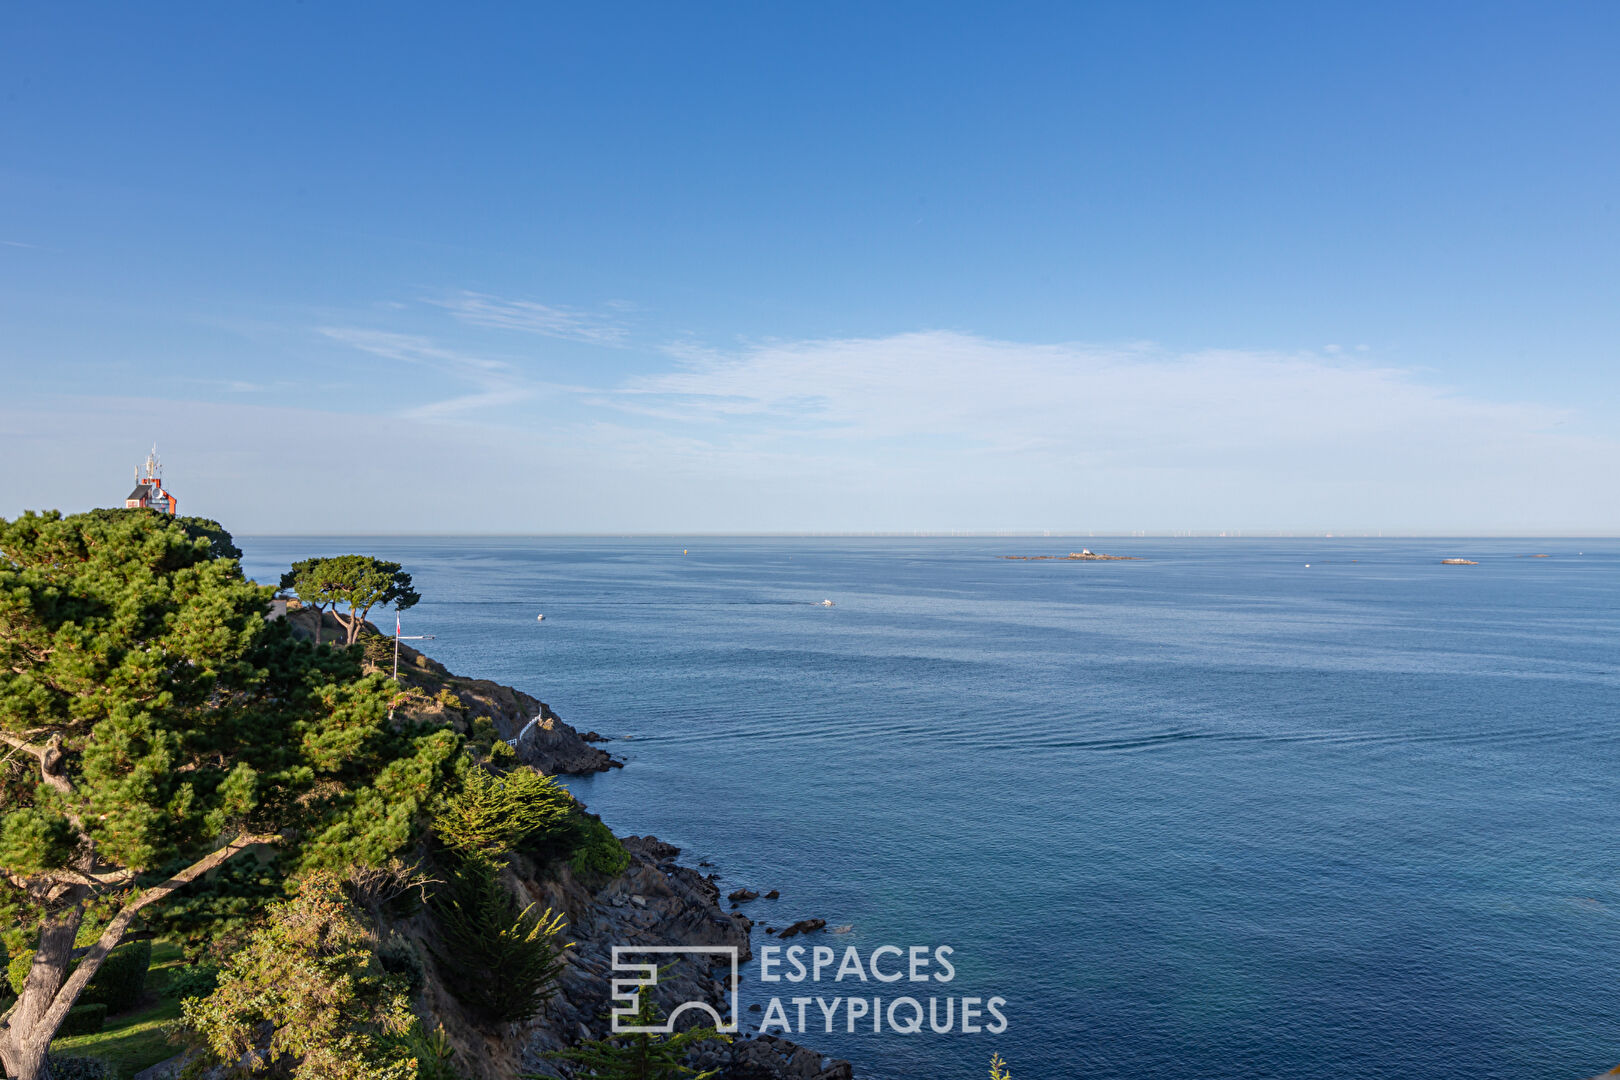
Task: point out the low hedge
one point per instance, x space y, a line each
82 1068
84 1019
118 985
122 978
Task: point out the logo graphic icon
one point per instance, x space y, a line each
625 991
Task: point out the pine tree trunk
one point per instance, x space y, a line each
25 1038
50 991
356 621
25 1059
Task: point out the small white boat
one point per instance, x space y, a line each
539 618
826 603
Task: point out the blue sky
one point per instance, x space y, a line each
817 267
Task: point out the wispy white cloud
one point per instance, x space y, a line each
412 349
950 426
936 430
1005 394
17 244
236 386
500 382
547 320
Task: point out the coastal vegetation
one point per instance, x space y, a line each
307 988
168 728
180 767
500 961
232 842
641 1055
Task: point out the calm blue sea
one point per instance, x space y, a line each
1210 814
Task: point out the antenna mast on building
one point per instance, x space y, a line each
149 491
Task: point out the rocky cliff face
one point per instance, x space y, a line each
541 738
655 901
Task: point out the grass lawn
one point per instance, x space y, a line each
133 1040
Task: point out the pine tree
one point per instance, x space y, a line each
359 581
167 726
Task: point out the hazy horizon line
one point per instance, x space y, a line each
938 534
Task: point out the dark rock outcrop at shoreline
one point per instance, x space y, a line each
803 926
654 901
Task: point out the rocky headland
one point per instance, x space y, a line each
654 901
433 693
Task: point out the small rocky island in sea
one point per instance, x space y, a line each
1084 554
1459 562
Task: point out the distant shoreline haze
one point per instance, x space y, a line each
952 535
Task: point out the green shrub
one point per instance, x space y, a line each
500 962
81 1068
122 978
17 970
398 957
84 1019
307 978
377 649
118 985
434 1053
482 736
643 1055
599 851
198 980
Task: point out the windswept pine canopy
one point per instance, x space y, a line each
155 723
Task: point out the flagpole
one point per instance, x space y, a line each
397 639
